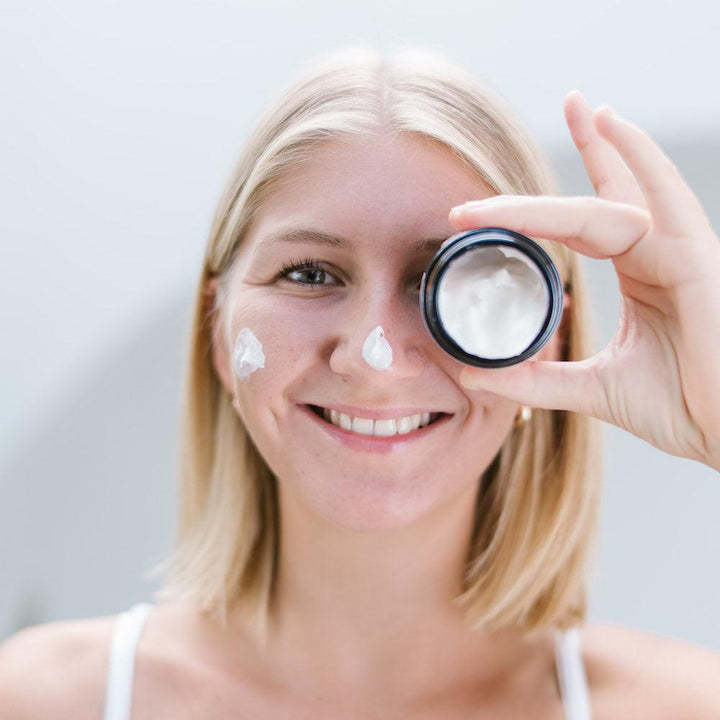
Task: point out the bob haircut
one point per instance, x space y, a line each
538 500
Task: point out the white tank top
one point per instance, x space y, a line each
129 626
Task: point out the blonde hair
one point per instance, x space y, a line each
538 501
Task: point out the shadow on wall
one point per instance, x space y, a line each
88 502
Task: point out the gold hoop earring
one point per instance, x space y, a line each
522 416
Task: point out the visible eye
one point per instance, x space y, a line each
307 272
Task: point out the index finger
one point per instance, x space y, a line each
594 227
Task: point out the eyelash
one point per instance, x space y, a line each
299 266
311 264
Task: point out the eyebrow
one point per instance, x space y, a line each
326 239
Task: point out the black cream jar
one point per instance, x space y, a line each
491 297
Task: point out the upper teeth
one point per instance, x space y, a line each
381 428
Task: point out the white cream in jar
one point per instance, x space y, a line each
491 297
493 301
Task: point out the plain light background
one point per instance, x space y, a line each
120 122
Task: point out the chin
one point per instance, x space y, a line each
381 503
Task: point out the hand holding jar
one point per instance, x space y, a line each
659 376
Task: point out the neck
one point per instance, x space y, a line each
374 610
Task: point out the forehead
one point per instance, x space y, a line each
362 189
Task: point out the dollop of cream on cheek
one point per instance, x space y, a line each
376 350
248 355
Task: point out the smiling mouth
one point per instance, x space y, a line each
377 428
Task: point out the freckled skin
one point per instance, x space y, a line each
386 196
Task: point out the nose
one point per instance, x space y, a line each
356 327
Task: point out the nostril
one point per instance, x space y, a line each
414 357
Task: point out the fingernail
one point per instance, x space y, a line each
456 213
606 110
471 205
580 96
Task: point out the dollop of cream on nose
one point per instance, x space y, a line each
249 355
376 350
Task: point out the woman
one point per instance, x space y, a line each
406 540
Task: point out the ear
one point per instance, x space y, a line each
556 348
219 349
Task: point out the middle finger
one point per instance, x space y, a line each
608 174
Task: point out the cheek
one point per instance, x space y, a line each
491 417
290 343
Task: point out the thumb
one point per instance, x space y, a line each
544 384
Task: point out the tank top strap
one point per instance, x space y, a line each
571 675
128 628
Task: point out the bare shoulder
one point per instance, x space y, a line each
638 674
56 670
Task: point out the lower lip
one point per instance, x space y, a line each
372 443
